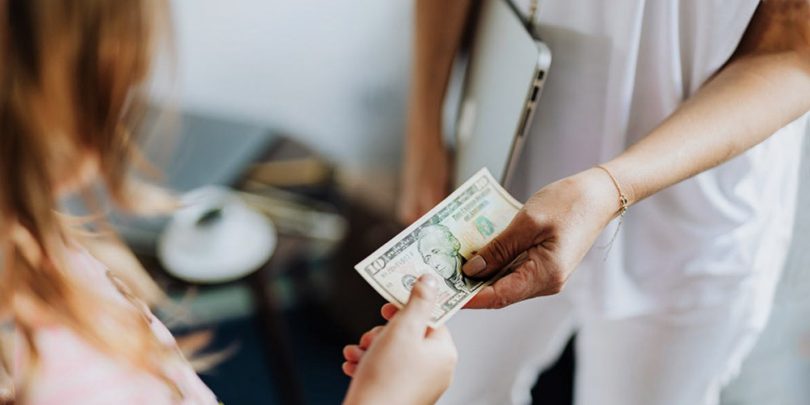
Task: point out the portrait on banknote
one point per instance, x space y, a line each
439 249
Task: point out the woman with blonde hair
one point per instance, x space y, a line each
77 329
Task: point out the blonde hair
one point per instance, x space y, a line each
70 99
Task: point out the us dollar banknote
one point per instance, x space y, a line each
440 243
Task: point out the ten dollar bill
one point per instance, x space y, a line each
439 243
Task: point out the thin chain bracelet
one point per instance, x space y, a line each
623 205
623 202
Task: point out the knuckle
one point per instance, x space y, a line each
541 223
501 301
551 228
555 282
554 289
369 336
535 218
365 341
499 250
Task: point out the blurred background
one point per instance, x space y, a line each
299 106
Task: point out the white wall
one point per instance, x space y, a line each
333 73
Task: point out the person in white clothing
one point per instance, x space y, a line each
664 109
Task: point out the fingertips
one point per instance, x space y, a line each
425 288
353 353
388 311
415 316
349 368
422 296
368 337
474 266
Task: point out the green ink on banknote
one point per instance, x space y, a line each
484 226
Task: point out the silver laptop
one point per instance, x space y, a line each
504 80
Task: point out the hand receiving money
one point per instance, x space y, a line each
403 362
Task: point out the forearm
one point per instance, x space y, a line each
765 86
439 26
743 105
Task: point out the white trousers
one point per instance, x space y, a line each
670 358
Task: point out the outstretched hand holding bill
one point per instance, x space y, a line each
553 231
405 361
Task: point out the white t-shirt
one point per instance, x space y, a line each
618 69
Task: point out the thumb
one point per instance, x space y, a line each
419 309
502 250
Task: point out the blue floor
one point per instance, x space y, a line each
245 378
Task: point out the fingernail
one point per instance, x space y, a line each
474 266
429 281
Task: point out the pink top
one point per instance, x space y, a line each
74 372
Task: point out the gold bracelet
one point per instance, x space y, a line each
622 198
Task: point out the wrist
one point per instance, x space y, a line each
423 135
600 194
424 121
424 142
